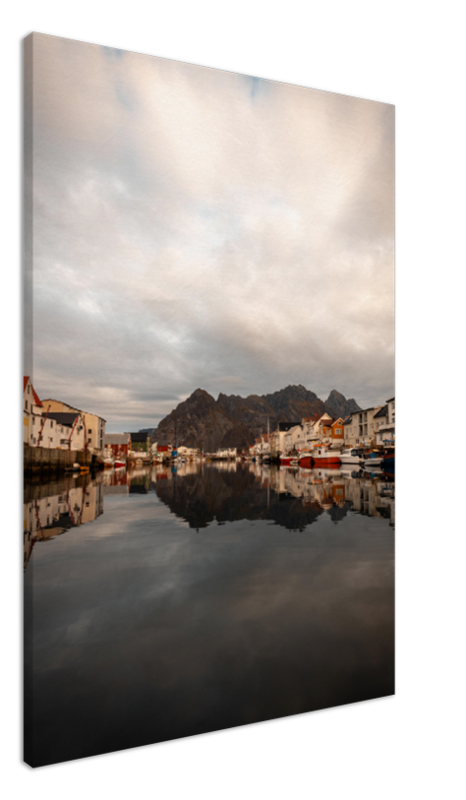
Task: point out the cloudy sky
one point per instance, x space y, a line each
198 228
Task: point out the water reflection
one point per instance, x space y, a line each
139 630
202 494
293 498
54 508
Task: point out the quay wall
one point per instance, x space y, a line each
47 460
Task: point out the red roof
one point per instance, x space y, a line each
34 393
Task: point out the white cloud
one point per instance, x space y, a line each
192 224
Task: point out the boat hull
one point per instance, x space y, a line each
322 459
373 462
305 462
326 461
389 463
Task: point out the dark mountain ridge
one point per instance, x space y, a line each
234 421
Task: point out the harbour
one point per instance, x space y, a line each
208 403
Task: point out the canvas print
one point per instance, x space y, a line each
208 400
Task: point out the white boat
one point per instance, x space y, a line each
373 461
353 455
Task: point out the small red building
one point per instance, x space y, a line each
118 443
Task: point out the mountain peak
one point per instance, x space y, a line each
339 405
235 421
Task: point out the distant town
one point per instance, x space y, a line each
60 437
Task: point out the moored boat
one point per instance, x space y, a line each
389 459
319 457
373 461
285 461
354 455
305 459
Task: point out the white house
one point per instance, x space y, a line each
385 421
185 452
94 425
292 438
68 431
361 428
228 452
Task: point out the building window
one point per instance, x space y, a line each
90 430
26 404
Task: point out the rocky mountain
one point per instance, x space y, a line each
340 406
234 421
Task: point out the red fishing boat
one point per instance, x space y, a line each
305 459
319 457
323 457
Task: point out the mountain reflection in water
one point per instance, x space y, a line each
288 497
138 632
228 491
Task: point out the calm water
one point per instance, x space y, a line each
162 603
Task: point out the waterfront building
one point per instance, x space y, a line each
43 428
385 421
315 430
188 452
163 451
277 437
335 433
45 431
117 444
292 438
94 425
140 442
32 407
227 452
360 428
67 428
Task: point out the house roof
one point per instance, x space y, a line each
72 408
382 412
116 438
347 420
26 378
63 417
285 426
139 436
